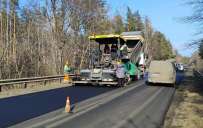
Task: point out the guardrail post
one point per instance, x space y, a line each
45 82
25 85
60 80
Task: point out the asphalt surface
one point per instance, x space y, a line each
137 105
17 109
128 110
81 106
131 106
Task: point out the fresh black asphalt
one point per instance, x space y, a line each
17 109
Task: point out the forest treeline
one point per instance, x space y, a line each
37 39
197 19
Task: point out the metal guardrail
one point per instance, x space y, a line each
25 81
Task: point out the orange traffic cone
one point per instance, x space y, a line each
67 108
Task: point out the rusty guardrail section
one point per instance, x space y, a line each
25 81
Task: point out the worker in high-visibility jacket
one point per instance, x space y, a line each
67 68
132 71
120 73
67 71
124 51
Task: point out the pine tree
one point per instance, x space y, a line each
148 36
162 48
118 24
138 21
131 21
201 49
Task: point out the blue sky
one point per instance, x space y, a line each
165 16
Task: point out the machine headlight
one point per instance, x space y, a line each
96 70
108 80
85 79
104 79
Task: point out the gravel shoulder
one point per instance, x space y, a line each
186 110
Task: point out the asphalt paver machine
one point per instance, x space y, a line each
104 53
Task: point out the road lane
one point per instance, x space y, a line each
113 112
153 115
20 108
108 114
80 107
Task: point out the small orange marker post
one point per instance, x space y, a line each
67 107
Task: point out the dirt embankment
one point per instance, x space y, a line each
186 110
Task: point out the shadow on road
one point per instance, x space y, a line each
16 109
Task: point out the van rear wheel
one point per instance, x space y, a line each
175 86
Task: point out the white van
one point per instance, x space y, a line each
161 72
